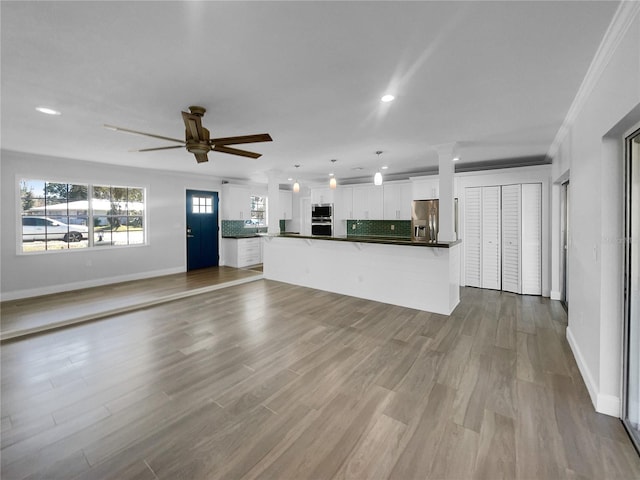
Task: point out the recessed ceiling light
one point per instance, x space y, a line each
384 167
455 159
48 111
289 179
387 98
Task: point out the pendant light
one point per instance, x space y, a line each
332 182
377 178
296 185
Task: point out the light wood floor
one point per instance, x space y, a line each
271 381
35 315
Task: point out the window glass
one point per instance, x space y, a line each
57 215
118 214
258 212
202 204
54 216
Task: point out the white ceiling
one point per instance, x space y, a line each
496 77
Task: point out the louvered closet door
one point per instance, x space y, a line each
532 239
473 236
511 231
491 271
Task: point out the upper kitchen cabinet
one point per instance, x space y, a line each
235 202
425 188
397 201
321 195
367 202
343 206
286 204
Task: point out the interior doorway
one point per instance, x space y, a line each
202 229
631 381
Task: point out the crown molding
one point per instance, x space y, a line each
622 20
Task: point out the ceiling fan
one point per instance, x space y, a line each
197 139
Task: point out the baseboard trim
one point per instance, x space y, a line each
609 405
555 295
606 404
66 287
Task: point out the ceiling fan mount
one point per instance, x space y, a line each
196 110
197 138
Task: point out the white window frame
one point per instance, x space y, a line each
90 216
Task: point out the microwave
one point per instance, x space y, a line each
321 211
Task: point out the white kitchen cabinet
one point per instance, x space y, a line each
397 201
343 206
426 188
368 202
286 204
322 195
235 202
242 252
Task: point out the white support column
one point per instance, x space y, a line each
273 194
446 231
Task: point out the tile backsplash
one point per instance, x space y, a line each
383 228
236 227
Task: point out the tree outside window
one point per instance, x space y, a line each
58 215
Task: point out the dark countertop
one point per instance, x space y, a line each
246 235
374 239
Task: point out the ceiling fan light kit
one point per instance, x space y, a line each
197 138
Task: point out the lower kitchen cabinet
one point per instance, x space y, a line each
242 252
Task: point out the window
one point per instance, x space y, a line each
258 212
63 216
202 204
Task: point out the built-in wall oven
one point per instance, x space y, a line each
322 219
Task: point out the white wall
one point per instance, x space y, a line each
592 152
36 274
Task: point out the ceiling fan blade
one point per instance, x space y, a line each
120 129
201 157
157 148
236 151
261 137
193 124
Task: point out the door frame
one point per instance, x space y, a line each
634 434
564 238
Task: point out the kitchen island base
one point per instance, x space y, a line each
413 276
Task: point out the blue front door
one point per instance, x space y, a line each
202 229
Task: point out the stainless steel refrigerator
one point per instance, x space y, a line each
425 220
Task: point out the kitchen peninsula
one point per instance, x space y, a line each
424 276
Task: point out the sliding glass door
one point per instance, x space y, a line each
631 414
